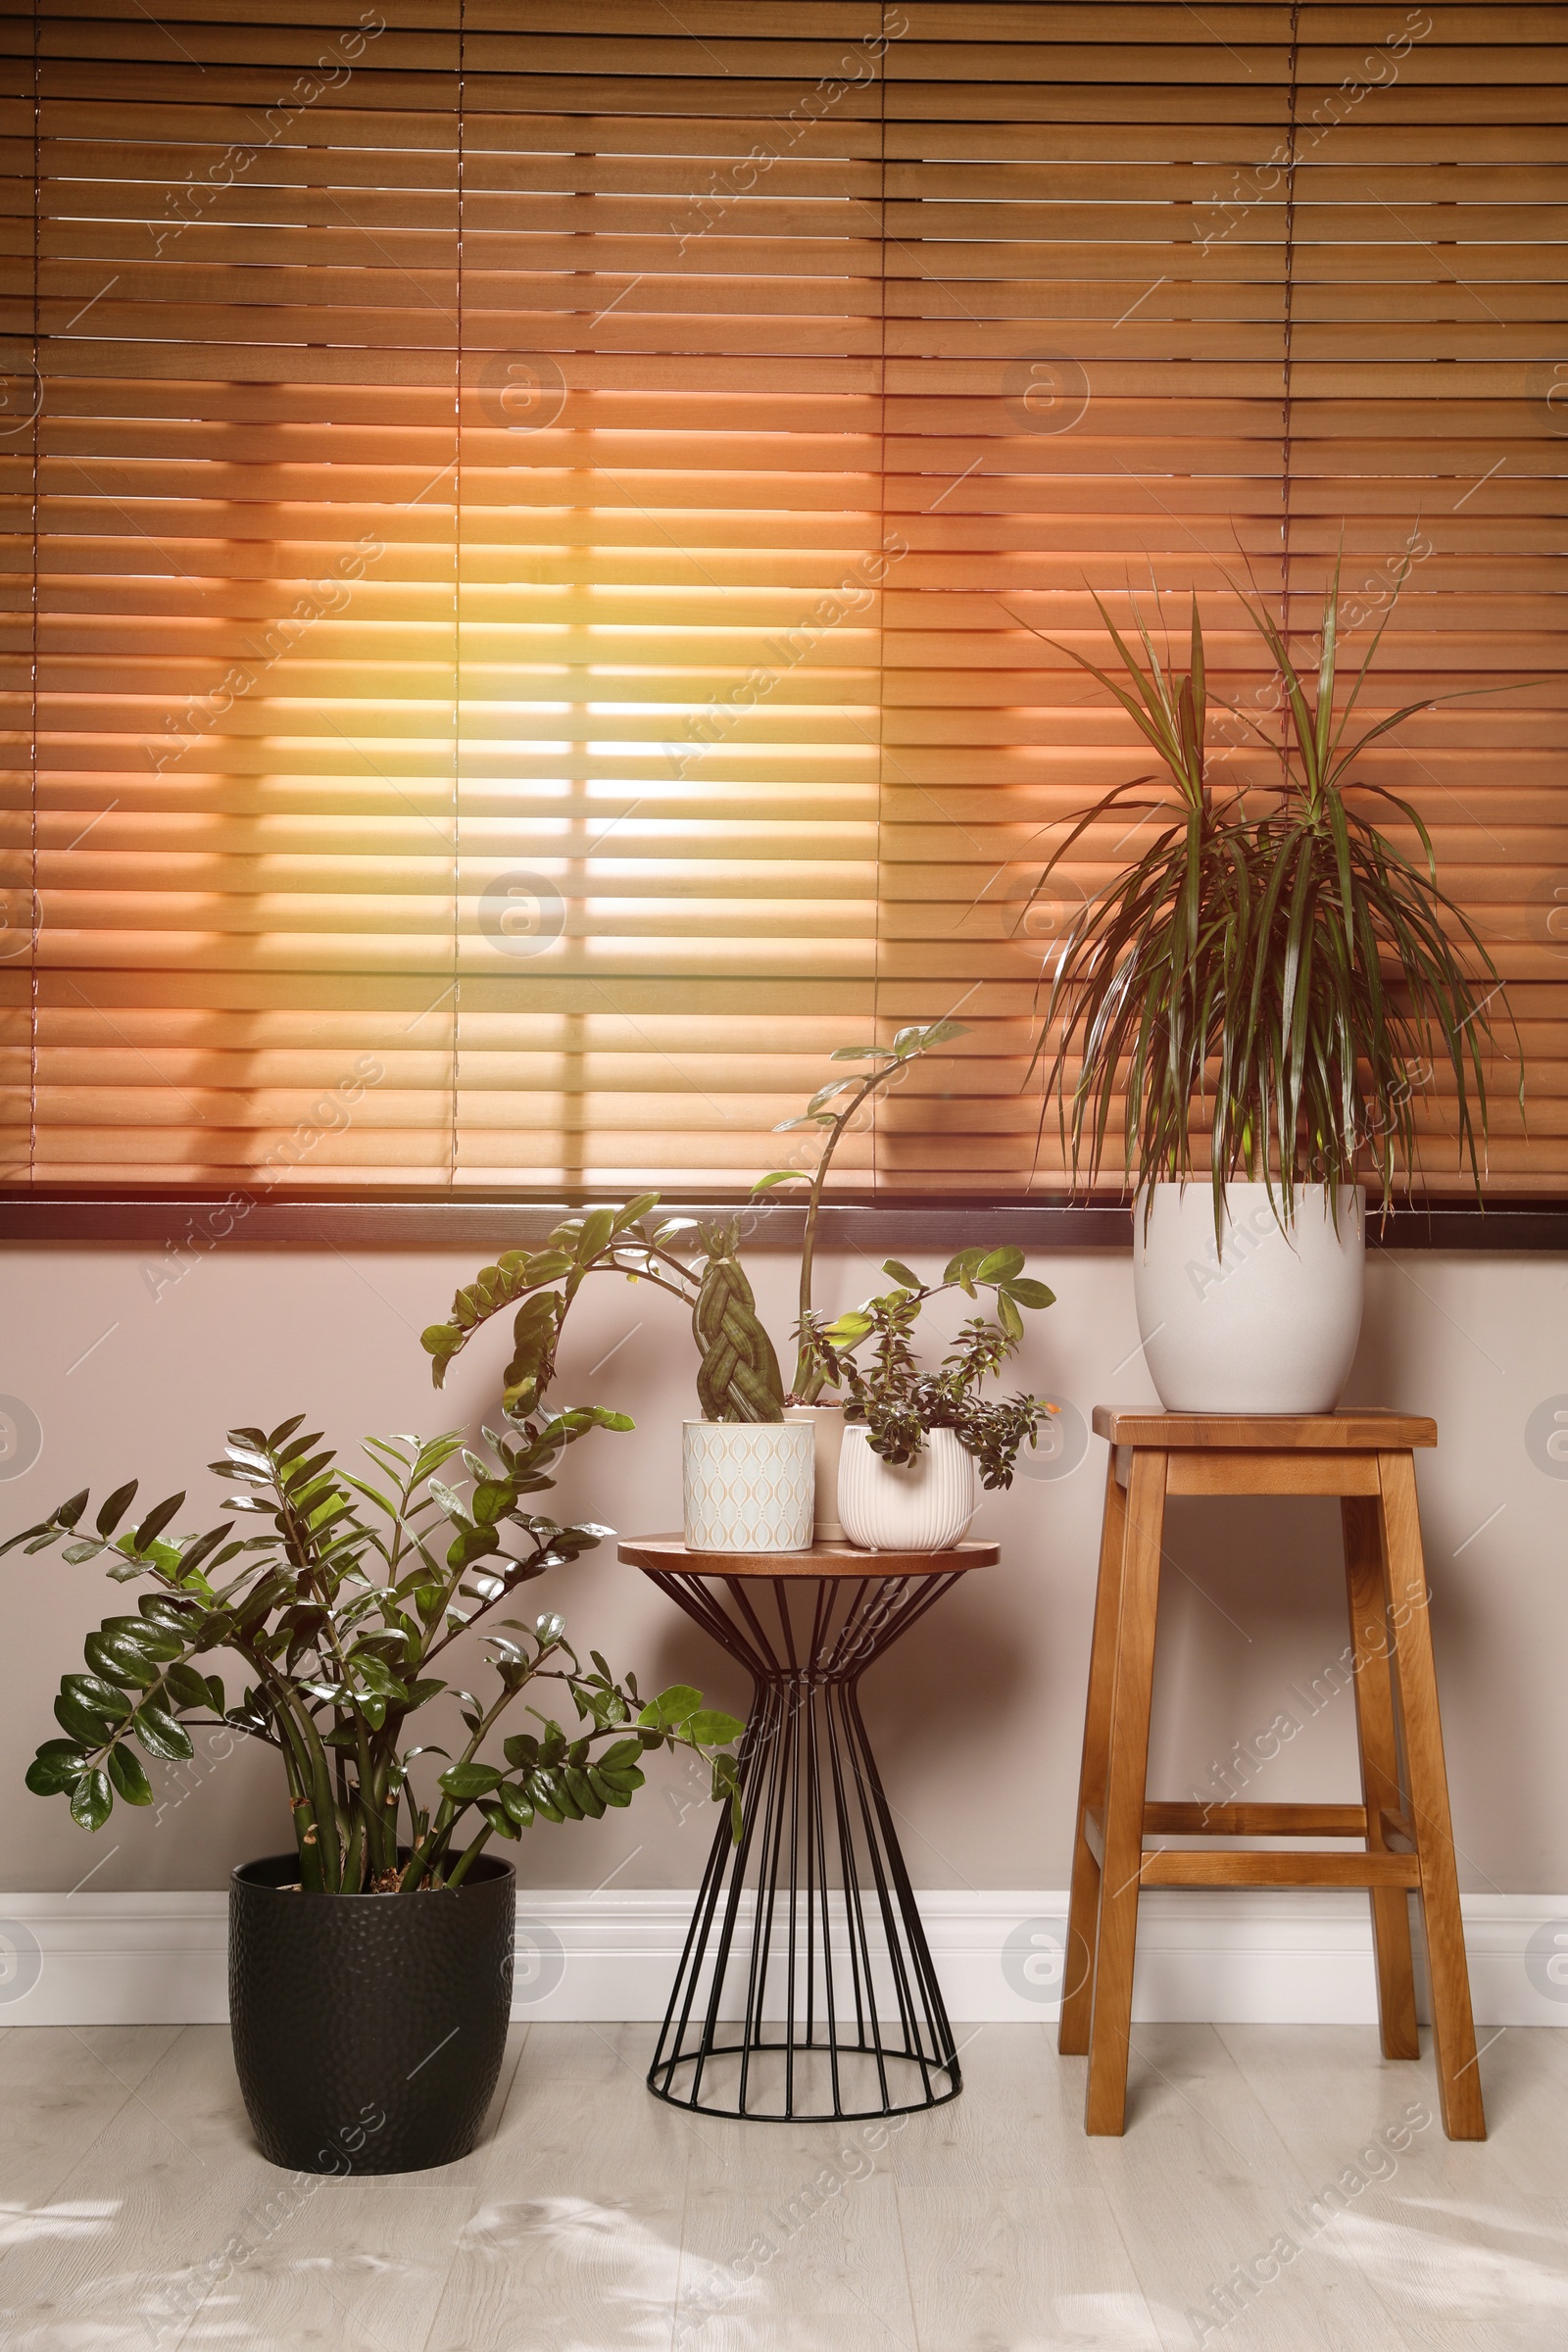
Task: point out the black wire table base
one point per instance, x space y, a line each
806 1992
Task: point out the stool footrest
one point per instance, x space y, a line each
1174 1867
1254 1821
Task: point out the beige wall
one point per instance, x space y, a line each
978 1715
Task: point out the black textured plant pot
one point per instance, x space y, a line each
369 2029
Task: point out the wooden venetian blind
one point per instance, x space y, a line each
536 527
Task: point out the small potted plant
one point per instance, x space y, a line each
1254 1002
370 1964
748 1475
914 1440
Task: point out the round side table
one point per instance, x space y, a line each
806 1990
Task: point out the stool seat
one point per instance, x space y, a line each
1365 1457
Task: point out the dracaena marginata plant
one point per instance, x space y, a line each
1260 982
341 1613
900 1402
738 1375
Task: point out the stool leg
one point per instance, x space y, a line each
1452 2026
1110 2026
1379 1768
1078 1961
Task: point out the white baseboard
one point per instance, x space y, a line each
1226 1957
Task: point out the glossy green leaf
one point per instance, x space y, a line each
156 1519
114 1510
162 1736
201 1548
467 1781
515 1804
91 1800
849 1329
589 1801
154 1640
597 1228
58 1765
86 1728
711 1729
188 1686
672 1707
541 1793
999 1265
125 1771
115 1660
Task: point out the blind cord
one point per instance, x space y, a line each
882 590
454 1140
35 926
1285 357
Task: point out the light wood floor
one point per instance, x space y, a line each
135 2212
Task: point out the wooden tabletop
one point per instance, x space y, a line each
1367 1429
670 1555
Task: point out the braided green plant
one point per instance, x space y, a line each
738 1378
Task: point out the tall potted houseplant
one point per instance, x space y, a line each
1252 1000
369 1964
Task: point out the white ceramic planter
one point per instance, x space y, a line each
827 1421
747 1485
923 1505
1261 1322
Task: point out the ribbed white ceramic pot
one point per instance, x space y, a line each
827 1421
1260 1321
923 1505
749 1486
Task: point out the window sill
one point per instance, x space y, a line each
483 1222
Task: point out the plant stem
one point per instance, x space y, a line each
810 1381
454 1877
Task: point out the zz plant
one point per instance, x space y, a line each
342 1611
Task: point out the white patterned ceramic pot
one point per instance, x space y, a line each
749 1486
1258 1321
923 1505
827 1420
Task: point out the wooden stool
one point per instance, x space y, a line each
1366 1458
